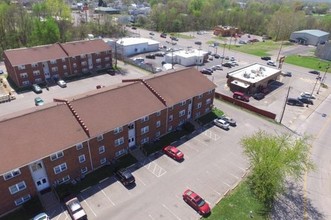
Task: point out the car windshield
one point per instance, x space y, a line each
201 202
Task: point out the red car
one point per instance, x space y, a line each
196 202
173 152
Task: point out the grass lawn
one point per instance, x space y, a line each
215 113
258 49
237 206
308 62
183 36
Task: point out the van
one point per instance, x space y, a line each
241 96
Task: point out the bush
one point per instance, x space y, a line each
189 127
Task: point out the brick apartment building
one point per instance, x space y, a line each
64 140
40 64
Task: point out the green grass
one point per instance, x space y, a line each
183 36
215 113
29 209
258 48
237 206
308 62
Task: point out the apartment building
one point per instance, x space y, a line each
64 140
40 64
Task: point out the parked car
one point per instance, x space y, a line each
266 58
229 65
173 152
242 42
241 96
41 216
75 209
206 71
222 124
150 56
293 101
314 72
61 83
227 58
174 38
271 63
218 67
38 101
210 58
125 177
1 71
229 120
306 100
234 63
232 59
259 96
36 88
289 74
217 56
163 35
196 202
307 95
198 43
133 28
151 33
159 54
253 40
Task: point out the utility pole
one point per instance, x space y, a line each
281 117
280 48
322 80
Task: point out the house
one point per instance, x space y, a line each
64 140
130 46
310 37
41 64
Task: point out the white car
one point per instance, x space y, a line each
307 95
62 83
271 63
76 210
41 216
222 124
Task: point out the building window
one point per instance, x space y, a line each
144 130
208 101
183 103
118 130
171 108
170 128
157 134
64 67
98 60
36 72
26 83
107 59
74 65
200 96
158 113
63 180
79 146
145 140
210 92
56 155
120 153
65 74
24 75
197 115
54 69
38 80
83 170
171 117
100 137
21 67
181 113
60 168
101 149
53 61
103 161
34 65
84 63
11 174
199 105
206 110
81 158
63 60
17 187
22 200
119 141
130 126
82 56
144 119
158 124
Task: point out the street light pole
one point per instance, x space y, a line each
281 117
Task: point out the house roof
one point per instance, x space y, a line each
37 134
181 85
77 48
315 32
23 56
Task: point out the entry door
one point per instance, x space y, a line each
39 175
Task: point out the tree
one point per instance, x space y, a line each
274 158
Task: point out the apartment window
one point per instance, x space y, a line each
171 108
82 56
65 74
100 137
63 60
22 200
208 101
53 61
79 146
170 128
64 67
84 63
24 75
99 67
200 96
63 180
157 134
83 170
197 115
130 126
199 105
98 54
81 158
101 149
119 141
74 65
107 59
158 124
171 117
54 69
183 103
181 113
34 65
26 83
98 60
21 67
118 130
144 130
11 174
146 118
206 110
158 113
210 92
17 187
36 72
60 168
56 155
103 161
145 140
38 80
120 153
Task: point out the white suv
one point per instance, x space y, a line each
271 63
222 124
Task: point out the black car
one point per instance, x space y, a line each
125 177
206 71
217 56
150 56
133 28
314 72
163 35
174 38
306 100
159 54
229 65
266 58
296 102
198 42
259 96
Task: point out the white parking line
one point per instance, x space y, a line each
150 216
89 207
171 211
209 186
211 135
140 180
155 169
106 196
226 184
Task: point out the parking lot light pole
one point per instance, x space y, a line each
281 117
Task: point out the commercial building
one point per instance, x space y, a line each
226 31
133 46
323 51
310 37
252 78
186 58
41 64
62 141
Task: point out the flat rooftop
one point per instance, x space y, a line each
189 53
253 73
126 41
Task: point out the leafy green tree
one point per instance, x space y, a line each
45 32
274 158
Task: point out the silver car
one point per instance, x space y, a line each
62 83
222 124
229 120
